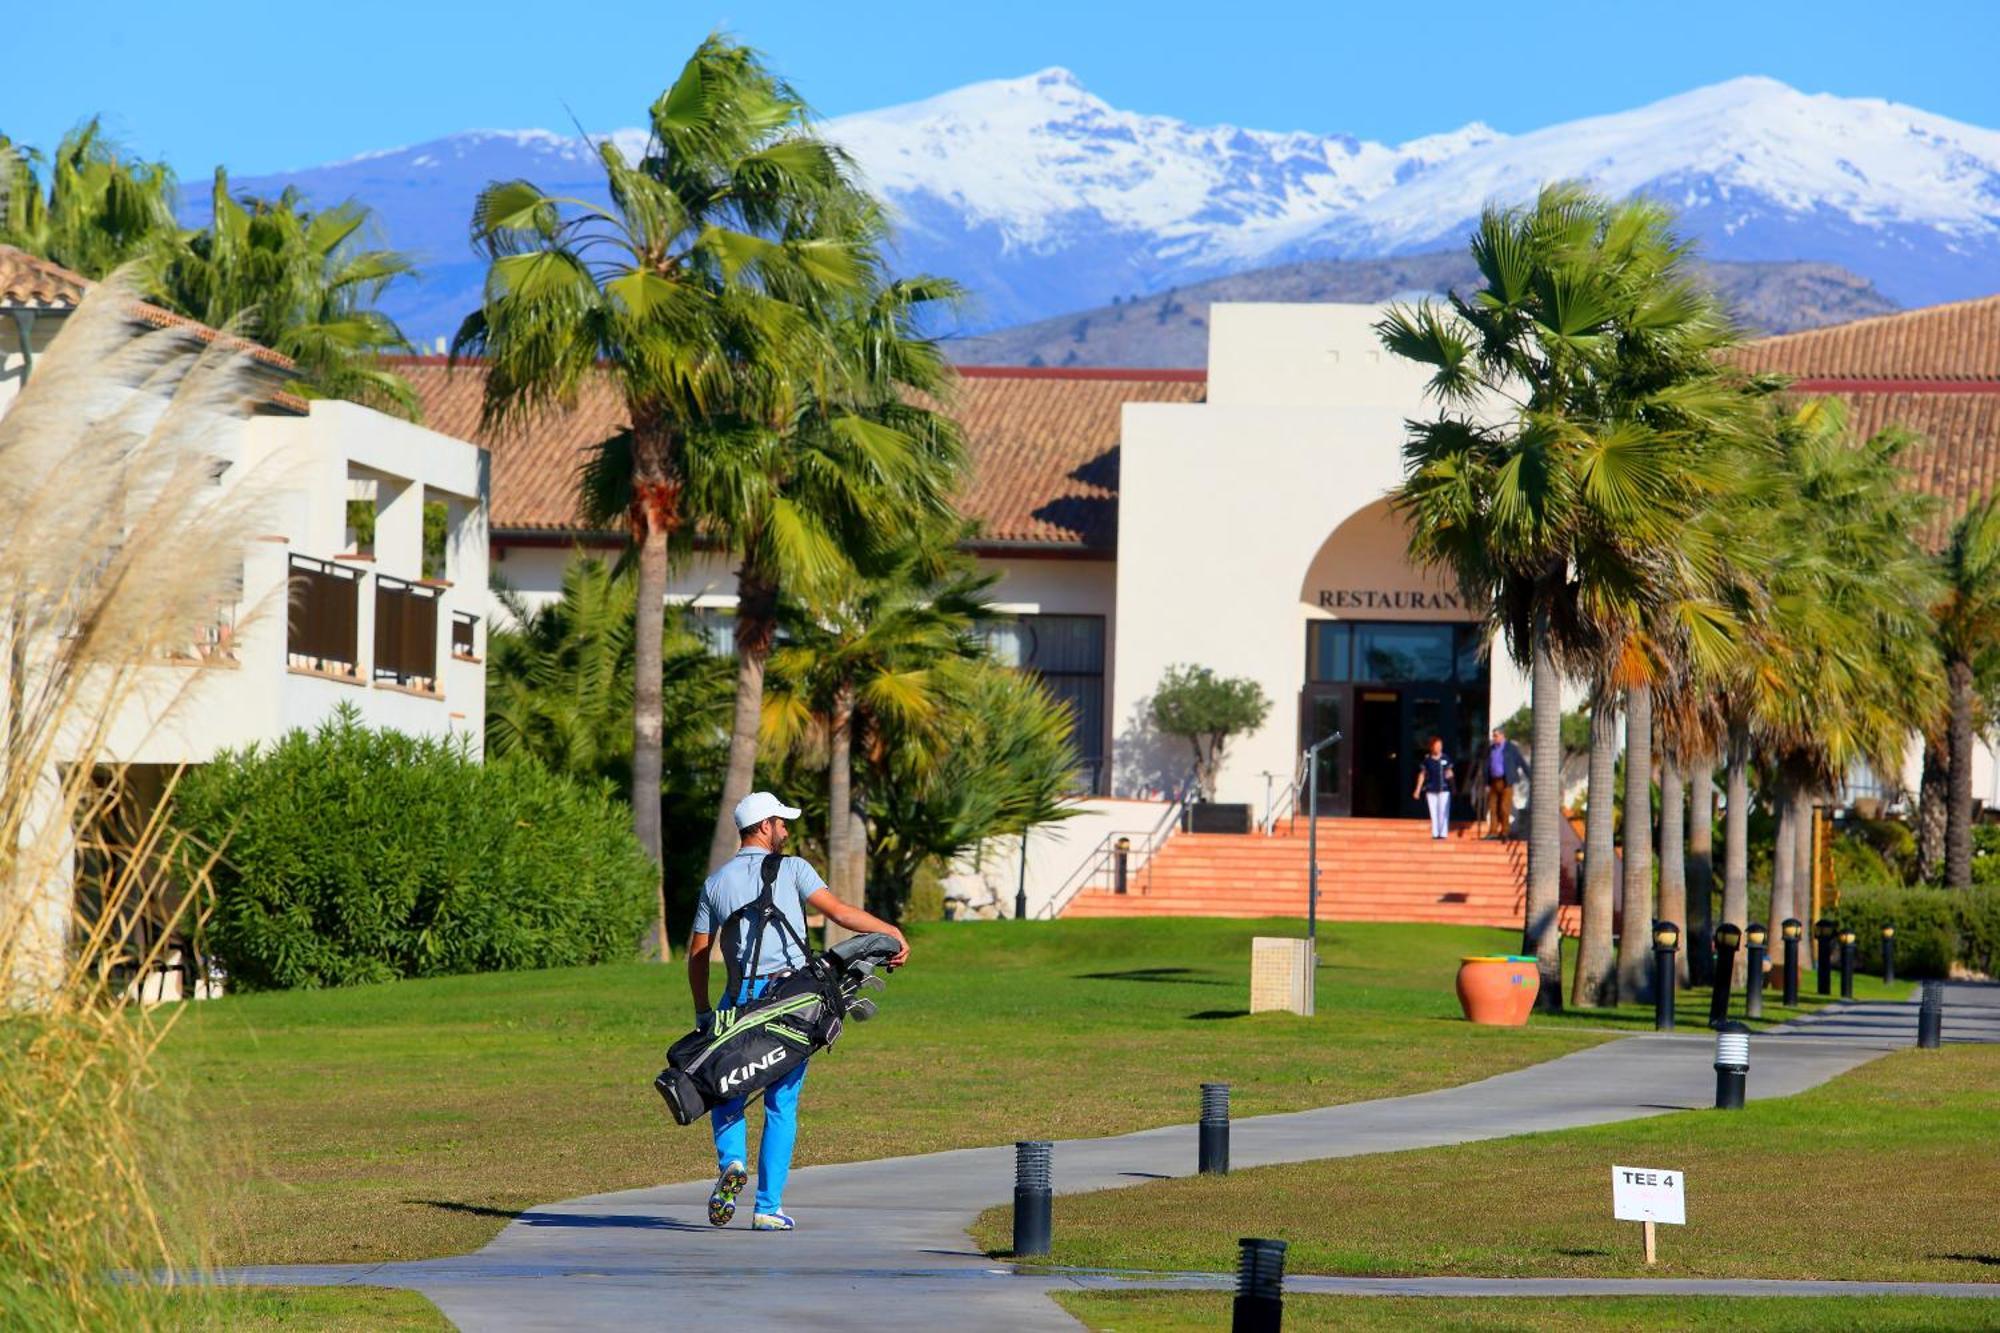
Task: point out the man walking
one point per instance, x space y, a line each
761 823
1505 770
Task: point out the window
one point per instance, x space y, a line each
1340 651
1067 652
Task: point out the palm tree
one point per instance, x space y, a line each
1567 521
1596 981
1968 637
693 293
859 466
301 282
99 208
868 664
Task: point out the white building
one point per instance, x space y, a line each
1236 518
341 602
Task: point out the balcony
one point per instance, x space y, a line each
406 634
322 630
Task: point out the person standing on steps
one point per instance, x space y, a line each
1434 785
1505 770
761 822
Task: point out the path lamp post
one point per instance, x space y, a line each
1794 929
1889 954
1260 1287
1732 1066
1666 941
1121 857
1753 976
1312 841
1824 931
1212 1154
1930 1016
1021 884
1846 964
1033 1181
1727 936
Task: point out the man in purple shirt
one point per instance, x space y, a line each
1505 770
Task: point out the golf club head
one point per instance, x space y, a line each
872 983
861 1010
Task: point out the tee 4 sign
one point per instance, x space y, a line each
1649 1195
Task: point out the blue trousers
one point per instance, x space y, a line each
781 1127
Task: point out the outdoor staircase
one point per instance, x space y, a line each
1369 870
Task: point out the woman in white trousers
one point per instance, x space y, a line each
1434 785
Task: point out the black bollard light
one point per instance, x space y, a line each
1846 964
1121 857
1666 942
1033 1178
1824 931
1732 1066
1930 1016
1213 1155
1753 977
1793 930
1260 1287
1727 936
1888 953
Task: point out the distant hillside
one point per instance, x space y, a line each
1170 329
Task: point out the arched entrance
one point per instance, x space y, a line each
1392 657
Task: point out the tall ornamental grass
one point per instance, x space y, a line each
118 546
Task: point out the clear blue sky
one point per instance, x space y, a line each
262 87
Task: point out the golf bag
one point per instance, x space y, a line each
759 1041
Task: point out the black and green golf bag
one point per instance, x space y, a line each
757 1042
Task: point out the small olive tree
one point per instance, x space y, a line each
1206 710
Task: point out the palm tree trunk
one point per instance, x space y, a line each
655 515
1541 931
1673 859
1701 865
1802 859
840 804
1784 852
1596 981
857 856
1933 796
1958 813
1635 941
756 627
1736 835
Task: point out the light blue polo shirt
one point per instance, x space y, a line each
737 885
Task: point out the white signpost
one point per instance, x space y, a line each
1648 1195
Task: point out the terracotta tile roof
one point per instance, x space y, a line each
1044 447
26 280
1959 342
1934 372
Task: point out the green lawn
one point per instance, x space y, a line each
305 1310
1184 1312
1887 1173
412 1119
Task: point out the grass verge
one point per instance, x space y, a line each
413 1119
1886 1173
305 1310
1173 1312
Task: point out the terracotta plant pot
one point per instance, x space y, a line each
1498 990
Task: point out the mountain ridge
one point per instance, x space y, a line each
1044 198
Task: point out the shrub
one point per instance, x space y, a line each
354 855
1934 927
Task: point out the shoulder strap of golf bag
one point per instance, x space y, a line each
755 916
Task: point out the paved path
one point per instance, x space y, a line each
882 1245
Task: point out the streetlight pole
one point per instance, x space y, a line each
1021 883
1312 839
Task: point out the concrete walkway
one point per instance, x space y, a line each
882 1245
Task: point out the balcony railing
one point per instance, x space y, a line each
322 630
406 634
465 635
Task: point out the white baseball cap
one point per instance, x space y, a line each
759 806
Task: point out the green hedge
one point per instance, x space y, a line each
1934 927
354 855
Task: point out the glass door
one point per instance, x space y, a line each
1323 710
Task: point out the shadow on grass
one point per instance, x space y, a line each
1208 1014
1166 976
470 1209
1990 1260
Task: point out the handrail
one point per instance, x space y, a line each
1289 809
1140 853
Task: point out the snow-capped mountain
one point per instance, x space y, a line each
1043 198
